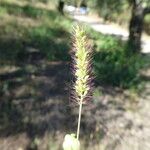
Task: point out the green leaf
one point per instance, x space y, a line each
71 143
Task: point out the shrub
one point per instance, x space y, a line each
114 66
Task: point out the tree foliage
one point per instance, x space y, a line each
109 9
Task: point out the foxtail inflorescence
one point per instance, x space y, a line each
82 85
82 70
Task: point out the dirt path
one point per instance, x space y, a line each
111 29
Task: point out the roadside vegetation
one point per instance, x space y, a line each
28 28
35 58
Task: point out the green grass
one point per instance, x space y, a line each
114 63
49 33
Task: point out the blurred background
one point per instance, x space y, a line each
35 74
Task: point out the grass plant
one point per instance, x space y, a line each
83 80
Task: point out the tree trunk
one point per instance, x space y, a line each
136 28
61 6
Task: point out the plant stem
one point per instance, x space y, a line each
79 119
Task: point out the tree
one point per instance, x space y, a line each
61 6
140 8
79 2
109 8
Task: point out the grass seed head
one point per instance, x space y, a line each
82 65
